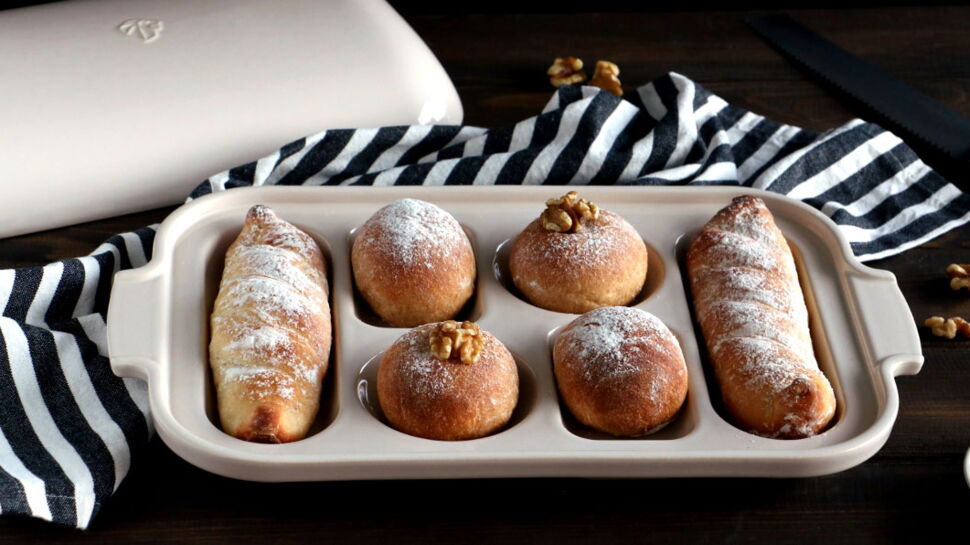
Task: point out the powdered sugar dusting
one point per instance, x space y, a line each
769 367
263 382
412 232
751 319
753 222
799 426
281 264
745 284
424 374
260 338
275 231
266 293
735 250
591 245
293 240
743 279
612 342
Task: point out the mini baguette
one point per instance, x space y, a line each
271 331
753 317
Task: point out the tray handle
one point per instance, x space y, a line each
885 321
136 325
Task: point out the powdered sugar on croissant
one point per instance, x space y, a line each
271 331
752 313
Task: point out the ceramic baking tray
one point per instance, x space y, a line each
863 333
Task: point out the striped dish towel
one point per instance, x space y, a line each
69 429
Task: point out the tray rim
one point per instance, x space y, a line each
847 453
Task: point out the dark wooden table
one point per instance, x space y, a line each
911 491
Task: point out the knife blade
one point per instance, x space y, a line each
939 134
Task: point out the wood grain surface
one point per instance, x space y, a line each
913 490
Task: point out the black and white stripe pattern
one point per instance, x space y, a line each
69 428
671 132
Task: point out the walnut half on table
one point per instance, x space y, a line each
605 77
566 71
569 71
959 276
948 327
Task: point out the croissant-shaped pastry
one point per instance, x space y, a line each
752 313
270 331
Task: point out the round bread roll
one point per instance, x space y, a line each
620 370
413 263
602 263
430 386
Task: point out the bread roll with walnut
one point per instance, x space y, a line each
753 316
577 257
413 263
271 331
448 381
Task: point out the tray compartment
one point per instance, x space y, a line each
157 330
214 263
656 273
682 424
820 343
472 310
368 398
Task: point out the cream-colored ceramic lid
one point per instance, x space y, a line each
115 106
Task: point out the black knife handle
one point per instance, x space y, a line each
939 134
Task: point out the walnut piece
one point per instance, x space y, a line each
941 327
963 326
555 219
449 339
605 77
948 327
959 276
566 71
568 213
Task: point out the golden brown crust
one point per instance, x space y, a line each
783 403
271 331
620 370
752 313
413 263
604 264
446 400
264 427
